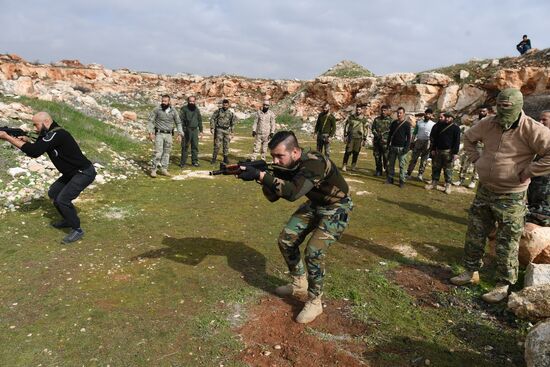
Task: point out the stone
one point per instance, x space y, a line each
532 303
463 74
17 171
469 97
537 274
36 167
534 240
434 79
447 99
537 345
495 62
544 257
129 115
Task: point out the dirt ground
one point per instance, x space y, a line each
273 338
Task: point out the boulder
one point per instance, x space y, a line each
534 241
537 345
17 171
544 257
463 74
537 274
531 303
434 79
129 115
449 96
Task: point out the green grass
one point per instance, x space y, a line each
352 70
166 265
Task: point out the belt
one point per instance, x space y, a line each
163 131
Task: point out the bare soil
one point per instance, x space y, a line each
273 338
422 282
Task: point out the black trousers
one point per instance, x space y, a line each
65 189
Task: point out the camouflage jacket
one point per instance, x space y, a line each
222 119
313 176
164 120
381 128
326 124
354 127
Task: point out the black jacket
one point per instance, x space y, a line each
399 137
62 149
444 137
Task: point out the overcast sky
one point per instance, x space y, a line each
272 39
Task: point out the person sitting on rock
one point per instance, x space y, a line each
524 45
77 172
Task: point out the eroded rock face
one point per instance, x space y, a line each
537 345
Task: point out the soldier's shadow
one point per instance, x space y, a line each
193 250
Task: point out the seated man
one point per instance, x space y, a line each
524 45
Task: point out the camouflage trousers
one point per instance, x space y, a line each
465 165
163 147
421 150
323 142
538 199
508 212
443 160
380 155
400 154
326 225
260 145
221 136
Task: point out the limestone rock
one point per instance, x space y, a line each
537 274
537 345
531 303
435 79
534 240
129 115
17 171
464 74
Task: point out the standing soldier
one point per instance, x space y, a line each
263 130
161 131
510 140
355 134
325 128
325 215
398 145
221 127
465 163
380 131
192 124
444 146
421 139
538 194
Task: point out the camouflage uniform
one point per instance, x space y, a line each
538 195
355 134
162 123
325 129
325 215
263 128
466 163
508 211
380 131
221 126
443 160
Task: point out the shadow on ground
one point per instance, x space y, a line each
240 257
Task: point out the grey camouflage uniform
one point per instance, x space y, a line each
162 123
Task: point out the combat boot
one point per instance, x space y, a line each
353 166
225 159
297 289
377 173
344 168
499 293
431 186
472 185
459 182
420 178
447 188
468 277
213 161
312 309
153 173
165 172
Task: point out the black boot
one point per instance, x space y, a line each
225 159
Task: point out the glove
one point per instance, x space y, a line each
249 174
270 136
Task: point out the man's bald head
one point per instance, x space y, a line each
42 121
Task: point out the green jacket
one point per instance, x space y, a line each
326 124
354 127
381 128
191 119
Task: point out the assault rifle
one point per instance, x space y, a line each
235 169
14 131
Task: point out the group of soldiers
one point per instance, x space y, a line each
165 121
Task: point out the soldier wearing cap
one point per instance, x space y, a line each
325 128
263 129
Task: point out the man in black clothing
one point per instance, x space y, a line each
399 140
77 171
444 146
524 45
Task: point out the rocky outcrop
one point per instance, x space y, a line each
537 274
534 243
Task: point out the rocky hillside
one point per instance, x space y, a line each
461 88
